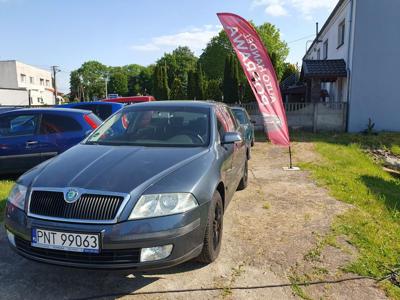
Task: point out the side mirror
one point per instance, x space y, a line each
231 137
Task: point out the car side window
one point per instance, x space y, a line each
234 122
58 124
222 124
229 120
220 128
17 125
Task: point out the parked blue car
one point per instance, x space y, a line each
30 136
101 109
243 118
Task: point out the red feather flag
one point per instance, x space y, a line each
261 75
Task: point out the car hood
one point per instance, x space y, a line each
113 168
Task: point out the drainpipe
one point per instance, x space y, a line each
349 52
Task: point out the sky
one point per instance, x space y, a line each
120 32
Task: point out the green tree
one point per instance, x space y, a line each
231 79
142 84
177 90
165 91
92 77
235 78
213 89
288 70
227 81
190 88
75 86
199 83
132 70
214 55
157 82
178 64
216 50
118 83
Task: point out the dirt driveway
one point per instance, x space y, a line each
272 236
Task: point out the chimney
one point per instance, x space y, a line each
316 29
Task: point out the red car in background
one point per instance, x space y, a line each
131 100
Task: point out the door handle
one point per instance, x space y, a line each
31 143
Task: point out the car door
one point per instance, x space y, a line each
19 147
227 151
58 132
239 148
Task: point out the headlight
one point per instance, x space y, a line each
162 204
17 196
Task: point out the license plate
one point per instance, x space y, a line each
66 241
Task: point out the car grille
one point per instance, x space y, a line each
87 207
105 256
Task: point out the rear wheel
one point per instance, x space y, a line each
213 235
244 181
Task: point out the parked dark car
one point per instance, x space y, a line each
30 136
146 190
243 118
4 109
101 109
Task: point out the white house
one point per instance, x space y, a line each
355 59
22 84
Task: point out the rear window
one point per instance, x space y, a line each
52 123
102 111
241 116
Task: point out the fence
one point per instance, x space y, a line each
321 116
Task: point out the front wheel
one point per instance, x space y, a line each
213 235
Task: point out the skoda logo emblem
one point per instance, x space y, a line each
71 195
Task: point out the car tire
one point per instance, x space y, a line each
213 234
244 181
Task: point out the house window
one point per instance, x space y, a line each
23 78
31 80
319 54
326 49
47 82
341 31
41 81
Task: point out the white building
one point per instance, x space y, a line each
355 59
22 84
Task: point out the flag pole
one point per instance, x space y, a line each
291 168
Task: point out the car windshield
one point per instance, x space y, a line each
155 126
240 116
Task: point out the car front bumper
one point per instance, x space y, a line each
121 243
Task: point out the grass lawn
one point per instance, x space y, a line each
350 175
5 186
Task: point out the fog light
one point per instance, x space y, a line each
155 253
11 238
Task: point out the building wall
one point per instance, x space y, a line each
8 74
330 33
14 97
35 80
336 90
374 91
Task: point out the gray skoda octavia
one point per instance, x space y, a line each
146 190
